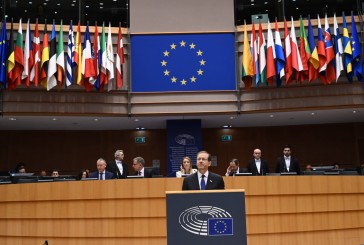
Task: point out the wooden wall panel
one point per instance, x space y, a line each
322 210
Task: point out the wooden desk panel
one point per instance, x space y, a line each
280 210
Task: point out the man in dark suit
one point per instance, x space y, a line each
101 172
117 166
203 179
258 166
287 163
138 166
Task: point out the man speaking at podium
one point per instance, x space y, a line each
203 179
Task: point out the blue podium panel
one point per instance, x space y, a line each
206 217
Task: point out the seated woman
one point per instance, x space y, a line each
186 167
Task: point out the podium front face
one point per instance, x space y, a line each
206 217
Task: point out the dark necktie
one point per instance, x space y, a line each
140 173
100 176
203 183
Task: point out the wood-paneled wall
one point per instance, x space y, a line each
70 151
292 210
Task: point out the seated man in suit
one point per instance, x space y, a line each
258 166
233 168
138 166
287 163
203 179
117 166
101 173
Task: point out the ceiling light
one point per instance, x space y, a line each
87 6
354 111
271 116
227 126
140 128
101 3
12 119
312 113
96 119
30 2
136 120
54 119
232 118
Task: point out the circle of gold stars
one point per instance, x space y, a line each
220 231
183 80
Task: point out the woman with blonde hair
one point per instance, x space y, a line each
186 167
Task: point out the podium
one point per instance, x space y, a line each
206 217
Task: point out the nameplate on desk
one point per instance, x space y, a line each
272 174
289 173
243 174
22 174
89 179
134 177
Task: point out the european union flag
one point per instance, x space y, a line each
183 62
220 226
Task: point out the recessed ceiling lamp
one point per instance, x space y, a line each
227 126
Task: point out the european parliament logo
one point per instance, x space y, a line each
207 221
183 62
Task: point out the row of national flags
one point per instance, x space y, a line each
54 64
273 61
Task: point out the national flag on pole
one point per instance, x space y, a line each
103 72
355 44
97 57
262 55
78 55
321 52
119 60
110 59
60 58
305 53
11 57
348 52
52 65
296 58
288 53
330 54
280 59
34 73
70 56
254 51
314 62
27 56
338 49
248 66
3 54
88 68
271 56
19 57
45 58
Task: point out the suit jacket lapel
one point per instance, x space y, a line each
209 182
196 184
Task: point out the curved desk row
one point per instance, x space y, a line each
280 210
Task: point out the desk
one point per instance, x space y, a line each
280 210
